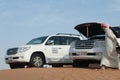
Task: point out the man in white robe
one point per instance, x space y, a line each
109 59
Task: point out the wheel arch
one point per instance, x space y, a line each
40 53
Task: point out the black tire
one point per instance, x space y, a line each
57 65
80 63
76 63
16 65
12 66
37 60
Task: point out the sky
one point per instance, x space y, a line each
23 20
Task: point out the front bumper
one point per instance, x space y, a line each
16 59
86 56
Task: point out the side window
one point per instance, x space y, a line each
54 40
64 40
74 39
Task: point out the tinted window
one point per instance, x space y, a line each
54 40
61 40
117 29
67 40
39 40
98 37
75 39
64 40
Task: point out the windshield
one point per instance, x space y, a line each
117 29
39 40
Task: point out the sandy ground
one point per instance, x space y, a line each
63 73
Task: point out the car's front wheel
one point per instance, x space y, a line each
37 60
16 65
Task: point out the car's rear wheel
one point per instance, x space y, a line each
37 60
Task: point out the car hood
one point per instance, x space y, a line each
92 29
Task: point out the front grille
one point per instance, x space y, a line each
12 51
85 44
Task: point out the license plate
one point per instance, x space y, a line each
83 53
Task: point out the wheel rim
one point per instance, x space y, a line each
37 61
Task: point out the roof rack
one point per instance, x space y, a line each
67 34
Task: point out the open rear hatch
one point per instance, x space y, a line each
92 29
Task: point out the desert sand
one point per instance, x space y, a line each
62 73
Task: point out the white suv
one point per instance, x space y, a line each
42 50
84 52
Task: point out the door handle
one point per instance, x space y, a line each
59 48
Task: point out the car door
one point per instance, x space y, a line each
56 49
52 47
64 46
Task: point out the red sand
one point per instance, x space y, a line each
59 74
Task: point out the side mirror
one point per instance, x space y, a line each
50 42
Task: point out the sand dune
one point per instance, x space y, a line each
59 74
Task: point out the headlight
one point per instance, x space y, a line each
23 49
